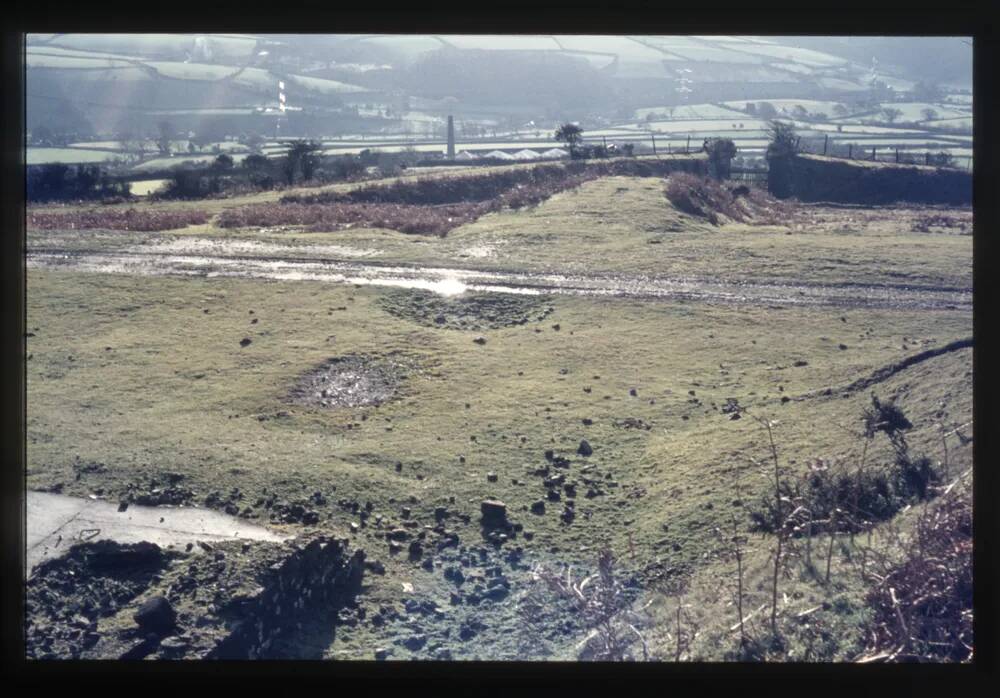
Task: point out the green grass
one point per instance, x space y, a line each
132 372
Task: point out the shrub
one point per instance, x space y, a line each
116 219
866 496
59 182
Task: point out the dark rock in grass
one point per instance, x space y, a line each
375 566
416 551
245 342
497 592
553 495
415 642
800 363
585 448
398 534
156 616
538 507
381 654
494 513
480 340
633 392
491 477
554 481
587 421
734 416
784 399
454 575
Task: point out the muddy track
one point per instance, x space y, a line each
456 280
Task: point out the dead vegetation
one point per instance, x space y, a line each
719 204
116 219
436 205
603 603
320 217
922 596
917 579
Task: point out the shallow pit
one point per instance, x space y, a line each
468 311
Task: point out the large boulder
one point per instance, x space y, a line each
156 616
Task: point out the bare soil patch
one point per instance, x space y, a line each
470 311
350 381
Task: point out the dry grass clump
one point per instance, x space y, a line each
116 219
719 204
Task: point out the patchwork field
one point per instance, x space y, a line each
596 418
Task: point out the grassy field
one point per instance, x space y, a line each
147 376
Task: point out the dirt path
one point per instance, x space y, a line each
450 281
56 522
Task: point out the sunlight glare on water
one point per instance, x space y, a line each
449 287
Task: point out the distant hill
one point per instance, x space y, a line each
105 84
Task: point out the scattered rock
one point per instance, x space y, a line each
156 616
585 448
415 642
245 342
494 514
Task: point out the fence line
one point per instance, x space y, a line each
913 155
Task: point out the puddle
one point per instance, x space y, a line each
453 282
56 522
222 248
